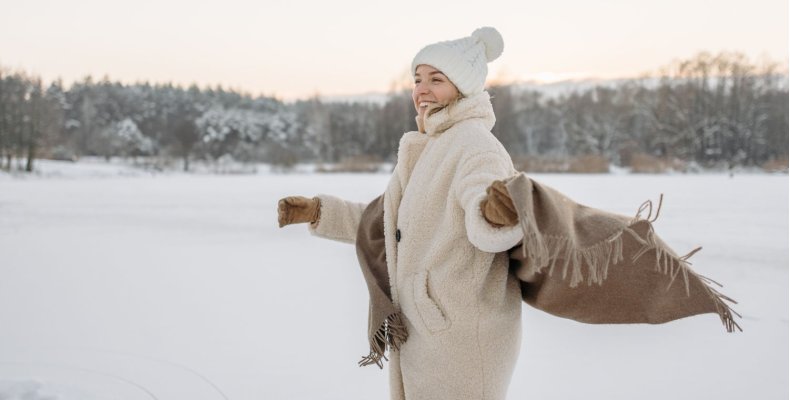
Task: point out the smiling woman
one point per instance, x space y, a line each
445 231
432 92
435 248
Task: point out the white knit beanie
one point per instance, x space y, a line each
464 61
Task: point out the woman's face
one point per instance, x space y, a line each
432 89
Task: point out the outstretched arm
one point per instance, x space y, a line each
328 216
475 174
338 219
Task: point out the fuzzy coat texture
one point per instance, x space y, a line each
449 270
631 275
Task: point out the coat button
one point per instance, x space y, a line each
397 235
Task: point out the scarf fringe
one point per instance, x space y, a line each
543 251
392 333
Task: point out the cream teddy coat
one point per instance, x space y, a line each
447 265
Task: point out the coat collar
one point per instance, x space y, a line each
474 106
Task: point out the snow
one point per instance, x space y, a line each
88 167
122 285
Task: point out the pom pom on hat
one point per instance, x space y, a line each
492 41
463 61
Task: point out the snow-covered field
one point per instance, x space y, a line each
116 284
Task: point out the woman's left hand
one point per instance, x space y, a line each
497 207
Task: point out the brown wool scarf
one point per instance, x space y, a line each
628 270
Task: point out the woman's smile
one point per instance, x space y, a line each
432 89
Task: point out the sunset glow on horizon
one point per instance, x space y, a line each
295 50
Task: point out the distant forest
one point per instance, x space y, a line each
708 111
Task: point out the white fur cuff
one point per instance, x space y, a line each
338 220
486 237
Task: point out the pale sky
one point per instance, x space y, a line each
293 49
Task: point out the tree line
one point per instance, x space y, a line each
710 109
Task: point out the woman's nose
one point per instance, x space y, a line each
421 88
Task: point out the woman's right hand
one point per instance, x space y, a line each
297 210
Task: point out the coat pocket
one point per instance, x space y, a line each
430 309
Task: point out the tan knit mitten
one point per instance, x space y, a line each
497 207
297 210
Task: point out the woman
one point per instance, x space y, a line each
445 237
